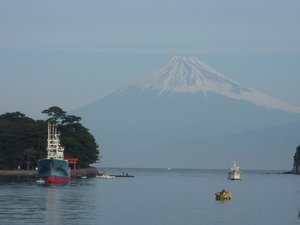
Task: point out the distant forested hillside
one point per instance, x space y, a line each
23 141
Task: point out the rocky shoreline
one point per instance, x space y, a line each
88 172
18 173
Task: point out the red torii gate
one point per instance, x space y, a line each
74 162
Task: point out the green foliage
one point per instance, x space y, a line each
23 140
55 114
298 152
79 143
297 160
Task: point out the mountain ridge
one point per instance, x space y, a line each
190 75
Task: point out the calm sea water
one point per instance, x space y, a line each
155 197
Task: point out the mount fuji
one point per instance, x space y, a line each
190 75
189 115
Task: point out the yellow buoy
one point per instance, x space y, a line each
223 195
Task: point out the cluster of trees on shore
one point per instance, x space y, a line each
296 166
23 141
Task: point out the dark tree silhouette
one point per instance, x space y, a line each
23 140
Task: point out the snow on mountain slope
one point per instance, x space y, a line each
190 75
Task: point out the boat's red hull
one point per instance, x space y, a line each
56 180
54 171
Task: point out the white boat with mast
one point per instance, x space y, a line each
235 172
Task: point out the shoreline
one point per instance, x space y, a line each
18 173
88 172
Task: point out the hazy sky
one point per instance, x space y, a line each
72 52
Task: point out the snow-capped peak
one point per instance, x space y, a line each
190 75
187 74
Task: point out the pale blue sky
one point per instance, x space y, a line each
72 52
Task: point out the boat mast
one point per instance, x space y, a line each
54 149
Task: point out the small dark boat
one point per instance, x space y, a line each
123 175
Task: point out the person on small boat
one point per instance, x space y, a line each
222 192
223 195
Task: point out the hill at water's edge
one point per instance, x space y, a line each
190 130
